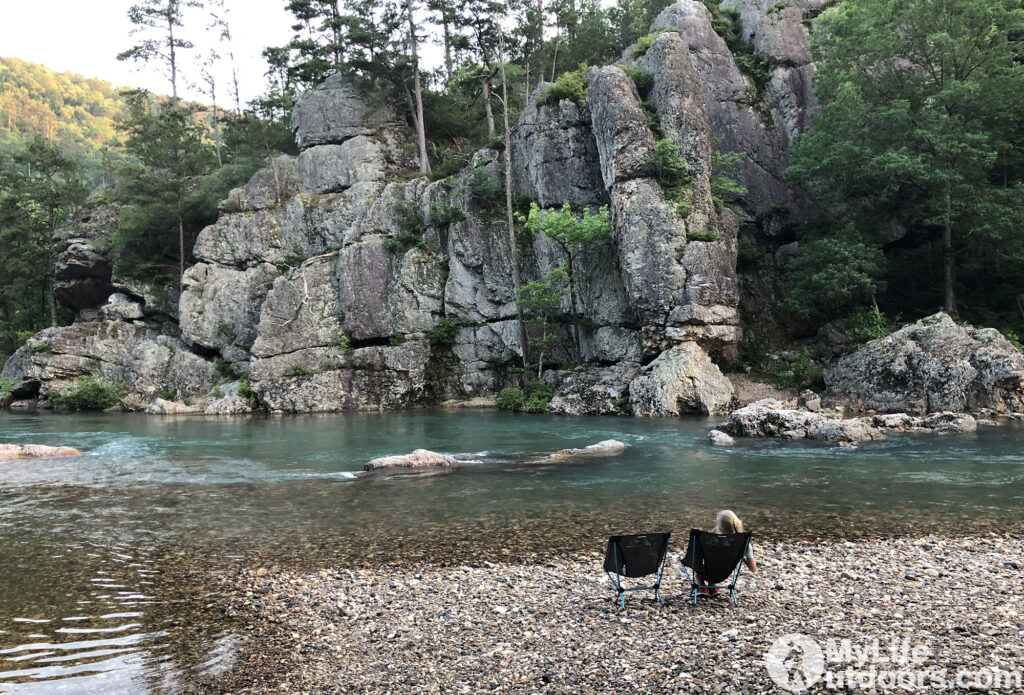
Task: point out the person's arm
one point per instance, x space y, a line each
751 564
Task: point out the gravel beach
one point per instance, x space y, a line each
554 625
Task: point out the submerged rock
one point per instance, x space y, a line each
933 365
29 451
609 447
720 438
420 458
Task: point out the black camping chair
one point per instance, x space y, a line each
714 557
636 556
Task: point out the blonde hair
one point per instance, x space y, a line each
727 522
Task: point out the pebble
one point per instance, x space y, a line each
554 624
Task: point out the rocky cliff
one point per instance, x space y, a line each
334 281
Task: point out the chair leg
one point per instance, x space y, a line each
734 601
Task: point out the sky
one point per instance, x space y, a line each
85 36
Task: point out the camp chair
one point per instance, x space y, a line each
714 557
636 556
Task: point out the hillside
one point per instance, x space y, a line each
78 112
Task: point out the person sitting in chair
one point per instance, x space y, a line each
727 522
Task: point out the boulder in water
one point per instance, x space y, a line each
421 458
608 447
30 451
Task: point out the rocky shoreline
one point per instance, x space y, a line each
553 626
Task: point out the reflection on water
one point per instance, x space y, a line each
104 559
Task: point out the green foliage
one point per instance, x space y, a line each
538 403
540 302
340 341
564 227
224 368
299 370
167 393
833 275
865 324
32 206
443 334
443 213
74 113
642 80
482 188
571 85
703 235
217 392
510 399
724 185
245 390
7 386
669 167
410 227
396 339
918 151
170 153
90 393
644 43
801 372
1012 336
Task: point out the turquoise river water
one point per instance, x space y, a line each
105 559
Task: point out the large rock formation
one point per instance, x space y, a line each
931 366
338 285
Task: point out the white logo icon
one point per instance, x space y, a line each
795 662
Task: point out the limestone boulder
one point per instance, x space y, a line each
420 458
593 391
339 109
682 380
929 366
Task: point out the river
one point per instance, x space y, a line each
105 560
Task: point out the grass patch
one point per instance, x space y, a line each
90 393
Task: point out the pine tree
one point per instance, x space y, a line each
159 23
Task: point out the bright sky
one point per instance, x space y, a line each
85 36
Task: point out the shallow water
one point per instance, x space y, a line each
104 558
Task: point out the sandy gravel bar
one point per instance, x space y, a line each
553 626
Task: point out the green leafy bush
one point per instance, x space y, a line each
670 168
537 404
865 324
510 400
444 333
396 339
340 341
7 387
299 370
482 187
1011 336
90 393
246 392
570 85
644 43
642 80
704 235
224 368
444 213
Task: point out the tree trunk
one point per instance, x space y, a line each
949 255
53 269
516 279
421 134
554 59
173 59
181 246
572 304
487 105
447 46
216 125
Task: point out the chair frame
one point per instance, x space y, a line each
616 579
695 587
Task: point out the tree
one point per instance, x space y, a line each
172 153
52 191
919 138
541 303
571 234
160 19
421 134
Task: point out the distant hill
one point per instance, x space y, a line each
78 112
